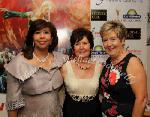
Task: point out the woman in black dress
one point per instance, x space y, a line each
81 78
123 77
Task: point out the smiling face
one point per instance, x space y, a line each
42 39
112 44
82 48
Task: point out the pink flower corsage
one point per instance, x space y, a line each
114 76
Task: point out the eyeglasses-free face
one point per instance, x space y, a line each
112 44
42 38
82 48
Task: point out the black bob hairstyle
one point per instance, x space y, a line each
78 34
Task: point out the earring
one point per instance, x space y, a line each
33 44
72 54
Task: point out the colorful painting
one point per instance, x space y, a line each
16 16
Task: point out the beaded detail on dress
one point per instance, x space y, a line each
75 85
15 104
82 98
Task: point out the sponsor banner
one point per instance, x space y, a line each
100 56
148 38
126 1
133 33
98 15
99 2
148 41
149 17
133 14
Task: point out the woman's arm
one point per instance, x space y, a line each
14 98
138 82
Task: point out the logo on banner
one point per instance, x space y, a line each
126 1
95 33
134 51
148 17
93 29
98 2
99 48
132 15
148 41
99 54
98 15
133 33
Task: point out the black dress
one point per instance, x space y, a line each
118 96
82 98
81 109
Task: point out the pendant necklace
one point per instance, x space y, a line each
42 60
82 67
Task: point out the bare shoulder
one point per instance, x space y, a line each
63 69
136 69
137 77
135 64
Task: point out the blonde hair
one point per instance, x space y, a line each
115 26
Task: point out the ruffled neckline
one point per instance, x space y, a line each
20 69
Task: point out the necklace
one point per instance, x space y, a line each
117 60
78 63
42 60
82 67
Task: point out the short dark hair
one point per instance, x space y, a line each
39 24
78 34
